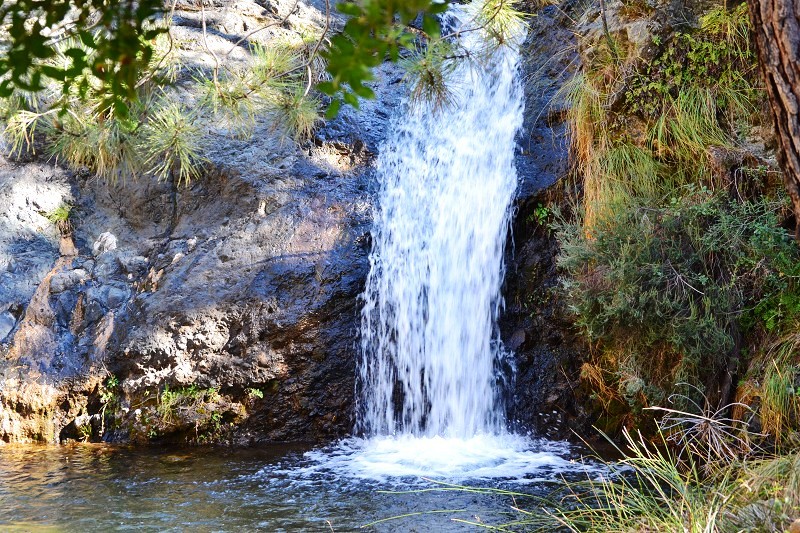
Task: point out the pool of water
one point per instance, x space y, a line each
341 487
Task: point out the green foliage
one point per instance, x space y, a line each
78 126
106 144
172 142
665 268
108 392
60 218
662 288
274 85
118 35
717 57
374 31
427 72
298 113
499 20
377 30
645 127
541 215
173 400
255 394
102 48
59 215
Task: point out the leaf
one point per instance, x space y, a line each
351 99
328 87
353 10
53 72
333 109
430 25
364 91
87 38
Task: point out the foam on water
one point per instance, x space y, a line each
507 457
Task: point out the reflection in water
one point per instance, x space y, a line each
276 488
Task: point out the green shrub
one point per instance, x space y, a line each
660 291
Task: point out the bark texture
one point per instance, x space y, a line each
776 28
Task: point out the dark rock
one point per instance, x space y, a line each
534 326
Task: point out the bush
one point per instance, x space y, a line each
661 292
675 266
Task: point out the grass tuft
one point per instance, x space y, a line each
173 143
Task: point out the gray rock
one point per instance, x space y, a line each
108 296
66 279
133 264
105 242
107 267
7 323
29 244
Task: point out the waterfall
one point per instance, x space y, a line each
430 344
429 395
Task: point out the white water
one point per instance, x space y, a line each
430 394
430 347
407 457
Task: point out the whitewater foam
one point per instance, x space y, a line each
409 458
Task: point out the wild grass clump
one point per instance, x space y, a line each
172 403
652 490
159 133
699 92
82 137
697 474
771 383
669 483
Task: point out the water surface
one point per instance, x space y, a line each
273 488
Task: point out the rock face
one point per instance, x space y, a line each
533 326
226 312
255 288
229 311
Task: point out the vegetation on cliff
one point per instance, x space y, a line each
680 271
677 265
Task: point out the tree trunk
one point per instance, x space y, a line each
776 28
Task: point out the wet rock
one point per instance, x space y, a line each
533 325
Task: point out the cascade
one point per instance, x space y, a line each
430 344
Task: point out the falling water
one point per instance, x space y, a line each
430 397
430 344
